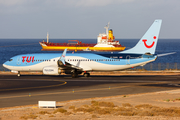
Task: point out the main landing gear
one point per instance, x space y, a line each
86 74
74 75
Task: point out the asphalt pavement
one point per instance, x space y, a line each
29 89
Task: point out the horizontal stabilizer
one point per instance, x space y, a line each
160 55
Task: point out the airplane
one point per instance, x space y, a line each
76 63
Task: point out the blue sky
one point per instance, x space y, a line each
73 19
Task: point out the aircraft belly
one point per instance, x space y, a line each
108 67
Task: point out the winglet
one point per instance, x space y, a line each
62 58
147 44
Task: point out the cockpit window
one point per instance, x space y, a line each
10 59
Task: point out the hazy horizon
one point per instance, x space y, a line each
85 19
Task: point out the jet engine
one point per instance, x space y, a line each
51 71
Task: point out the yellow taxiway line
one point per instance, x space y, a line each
36 87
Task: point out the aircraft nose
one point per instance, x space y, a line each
5 64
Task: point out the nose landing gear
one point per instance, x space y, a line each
19 74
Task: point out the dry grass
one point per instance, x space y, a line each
86 106
51 116
124 96
172 100
127 109
102 104
43 112
149 110
72 107
67 113
30 116
94 116
145 106
97 108
61 110
126 105
177 99
104 108
167 100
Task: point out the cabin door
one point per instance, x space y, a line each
128 59
19 60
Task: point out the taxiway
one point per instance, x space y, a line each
29 89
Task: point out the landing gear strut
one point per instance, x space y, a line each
86 74
19 74
74 75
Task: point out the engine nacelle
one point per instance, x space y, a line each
51 71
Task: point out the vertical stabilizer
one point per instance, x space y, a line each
147 44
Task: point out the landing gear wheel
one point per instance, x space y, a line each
74 75
19 74
86 74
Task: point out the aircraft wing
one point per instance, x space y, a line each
79 66
73 65
62 58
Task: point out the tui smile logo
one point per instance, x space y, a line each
149 46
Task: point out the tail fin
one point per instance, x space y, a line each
147 44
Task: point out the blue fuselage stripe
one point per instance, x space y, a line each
111 59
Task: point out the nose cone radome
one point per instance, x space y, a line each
5 64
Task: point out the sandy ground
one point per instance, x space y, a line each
163 99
